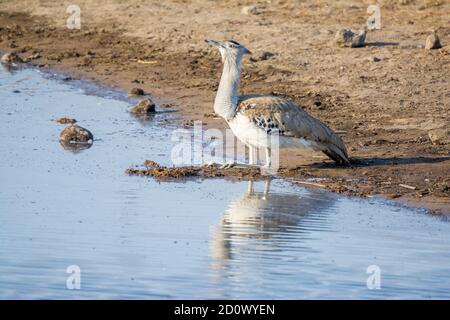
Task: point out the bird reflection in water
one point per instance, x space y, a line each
266 223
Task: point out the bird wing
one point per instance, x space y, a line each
280 116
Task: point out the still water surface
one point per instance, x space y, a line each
133 237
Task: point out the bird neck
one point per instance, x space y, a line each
227 94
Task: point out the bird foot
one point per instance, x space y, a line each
239 165
209 164
218 165
229 165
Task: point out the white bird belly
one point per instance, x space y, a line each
250 134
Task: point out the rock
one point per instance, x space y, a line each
440 136
264 55
65 120
11 58
433 41
348 38
373 59
144 106
136 92
249 10
39 30
75 137
210 115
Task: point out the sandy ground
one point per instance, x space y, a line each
384 98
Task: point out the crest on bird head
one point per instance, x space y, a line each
229 48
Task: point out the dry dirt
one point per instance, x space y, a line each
384 97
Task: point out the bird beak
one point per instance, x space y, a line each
214 43
246 51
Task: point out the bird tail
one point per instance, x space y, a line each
339 155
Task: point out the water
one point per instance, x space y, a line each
133 237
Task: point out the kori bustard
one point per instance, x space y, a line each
257 119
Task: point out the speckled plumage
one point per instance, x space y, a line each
282 117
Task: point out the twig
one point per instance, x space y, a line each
407 186
315 184
146 62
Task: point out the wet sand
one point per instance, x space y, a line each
384 107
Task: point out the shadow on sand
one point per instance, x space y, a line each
364 162
367 162
381 44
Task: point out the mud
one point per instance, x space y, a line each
383 98
153 169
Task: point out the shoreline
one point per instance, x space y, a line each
187 85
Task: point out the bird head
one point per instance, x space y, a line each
229 49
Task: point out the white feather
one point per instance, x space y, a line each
246 131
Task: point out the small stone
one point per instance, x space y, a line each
144 106
39 30
440 136
65 120
433 41
136 92
348 38
210 115
264 55
75 137
249 10
11 58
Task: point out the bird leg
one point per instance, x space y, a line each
253 155
250 155
268 158
252 159
253 162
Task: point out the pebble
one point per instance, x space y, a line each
11 58
136 92
433 41
144 106
249 10
65 120
76 137
349 38
264 55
